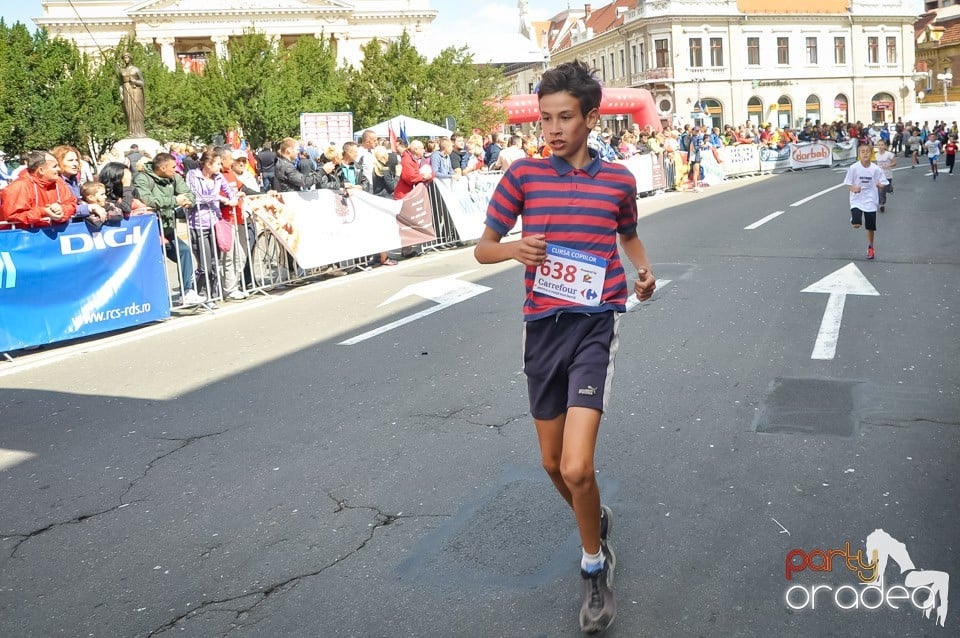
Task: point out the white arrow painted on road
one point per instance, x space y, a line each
846 281
445 291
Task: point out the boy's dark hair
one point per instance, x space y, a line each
574 78
162 158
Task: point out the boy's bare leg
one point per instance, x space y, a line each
550 434
567 445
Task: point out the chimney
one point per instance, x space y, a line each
586 11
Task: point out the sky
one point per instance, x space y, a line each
483 27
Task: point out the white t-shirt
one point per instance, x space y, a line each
933 148
885 161
508 156
867 178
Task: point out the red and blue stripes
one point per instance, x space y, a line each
583 209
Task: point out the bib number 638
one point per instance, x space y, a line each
559 270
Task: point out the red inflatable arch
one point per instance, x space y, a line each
637 103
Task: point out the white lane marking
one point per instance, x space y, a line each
816 195
761 222
633 302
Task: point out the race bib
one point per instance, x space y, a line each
572 275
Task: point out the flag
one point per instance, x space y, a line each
393 137
403 133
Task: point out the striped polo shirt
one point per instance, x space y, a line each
582 209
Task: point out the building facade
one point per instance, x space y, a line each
938 56
732 61
185 32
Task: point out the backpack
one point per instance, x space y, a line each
685 142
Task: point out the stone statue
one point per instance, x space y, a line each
131 95
526 29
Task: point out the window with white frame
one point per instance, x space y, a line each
696 52
716 51
891 50
839 50
783 50
873 50
662 48
753 51
811 50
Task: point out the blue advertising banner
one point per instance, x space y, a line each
66 282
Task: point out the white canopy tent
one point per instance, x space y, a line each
410 125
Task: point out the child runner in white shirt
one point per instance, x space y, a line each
886 161
933 153
864 181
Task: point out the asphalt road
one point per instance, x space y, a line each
246 473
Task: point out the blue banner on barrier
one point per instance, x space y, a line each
66 282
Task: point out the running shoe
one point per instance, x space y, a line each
599 607
606 525
870 253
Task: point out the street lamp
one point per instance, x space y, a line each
946 79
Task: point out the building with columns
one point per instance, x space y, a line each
186 31
730 61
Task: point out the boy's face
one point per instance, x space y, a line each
97 197
864 153
565 129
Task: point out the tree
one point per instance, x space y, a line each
457 87
388 83
51 94
394 79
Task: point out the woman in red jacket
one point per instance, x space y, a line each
413 170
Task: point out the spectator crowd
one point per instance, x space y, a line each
205 188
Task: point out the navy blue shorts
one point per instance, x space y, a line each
867 217
568 359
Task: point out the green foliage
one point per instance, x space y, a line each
394 79
51 94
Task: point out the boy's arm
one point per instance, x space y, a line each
848 180
529 251
637 255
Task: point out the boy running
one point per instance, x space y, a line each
886 161
864 180
933 153
913 143
573 205
950 150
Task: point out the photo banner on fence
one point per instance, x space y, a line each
741 159
774 159
467 199
65 282
322 227
845 152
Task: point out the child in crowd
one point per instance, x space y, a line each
96 193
